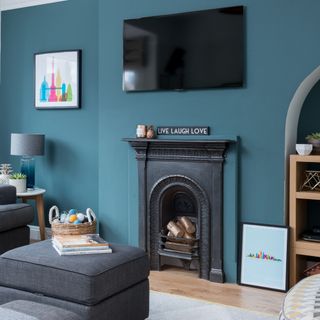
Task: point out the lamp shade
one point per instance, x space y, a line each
23 144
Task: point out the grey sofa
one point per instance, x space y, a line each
14 218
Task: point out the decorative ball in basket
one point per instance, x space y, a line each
72 222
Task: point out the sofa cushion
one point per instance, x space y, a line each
28 310
15 215
85 279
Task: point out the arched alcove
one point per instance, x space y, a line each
292 122
309 115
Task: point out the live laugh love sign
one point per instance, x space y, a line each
190 131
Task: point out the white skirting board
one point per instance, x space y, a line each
35 233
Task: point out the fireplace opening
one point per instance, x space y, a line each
179 231
178 204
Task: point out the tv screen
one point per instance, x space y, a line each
193 50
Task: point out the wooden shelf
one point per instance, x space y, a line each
308 195
307 248
301 251
310 159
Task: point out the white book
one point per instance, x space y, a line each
81 252
80 248
80 240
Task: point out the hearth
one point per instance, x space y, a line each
179 181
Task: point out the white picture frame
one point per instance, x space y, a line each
57 79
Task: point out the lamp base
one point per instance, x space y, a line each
27 168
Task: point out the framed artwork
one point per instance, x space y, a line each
264 256
57 79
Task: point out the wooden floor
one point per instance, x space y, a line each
177 281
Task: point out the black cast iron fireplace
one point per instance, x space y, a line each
182 178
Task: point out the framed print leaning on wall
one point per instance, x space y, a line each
264 256
57 79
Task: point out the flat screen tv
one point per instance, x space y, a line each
192 50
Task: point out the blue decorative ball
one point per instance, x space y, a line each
77 222
72 211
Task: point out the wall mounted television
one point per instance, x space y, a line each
192 50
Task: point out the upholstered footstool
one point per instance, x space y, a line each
111 286
27 310
302 301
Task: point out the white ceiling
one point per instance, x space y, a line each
14 4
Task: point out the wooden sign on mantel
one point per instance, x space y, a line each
183 131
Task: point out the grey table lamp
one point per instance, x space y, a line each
27 146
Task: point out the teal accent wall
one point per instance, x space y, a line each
87 164
69 169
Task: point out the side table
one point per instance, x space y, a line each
37 195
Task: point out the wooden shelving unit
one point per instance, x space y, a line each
300 251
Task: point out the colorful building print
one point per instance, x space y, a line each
57 80
58 91
263 256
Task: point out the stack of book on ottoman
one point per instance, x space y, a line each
80 244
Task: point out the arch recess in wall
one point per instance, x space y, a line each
292 121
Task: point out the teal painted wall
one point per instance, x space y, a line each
281 50
69 170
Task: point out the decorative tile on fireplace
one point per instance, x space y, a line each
182 178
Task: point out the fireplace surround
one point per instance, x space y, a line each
189 175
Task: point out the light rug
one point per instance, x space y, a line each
165 306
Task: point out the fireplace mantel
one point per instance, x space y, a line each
182 149
191 163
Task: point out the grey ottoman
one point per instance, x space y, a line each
27 310
101 286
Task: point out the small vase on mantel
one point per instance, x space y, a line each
150 132
141 131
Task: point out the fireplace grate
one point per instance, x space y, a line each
185 249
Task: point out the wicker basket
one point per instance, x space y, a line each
59 228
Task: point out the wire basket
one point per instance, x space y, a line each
59 228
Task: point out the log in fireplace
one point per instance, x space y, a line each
182 180
180 239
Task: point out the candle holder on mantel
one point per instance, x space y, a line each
150 132
141 131
145 131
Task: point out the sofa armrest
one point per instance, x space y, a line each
8 194
15 215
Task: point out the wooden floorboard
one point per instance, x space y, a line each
177 281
